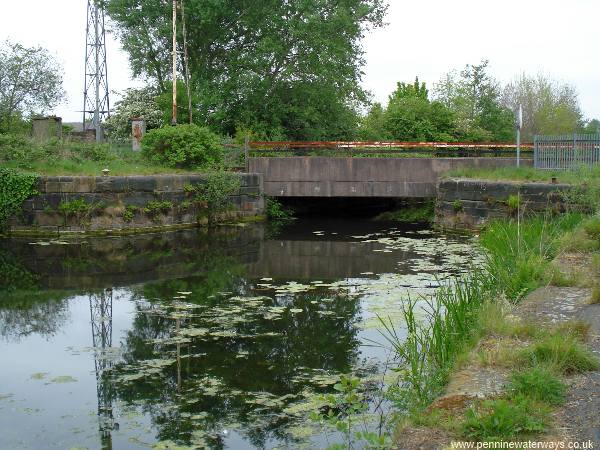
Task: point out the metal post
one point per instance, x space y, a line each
187 63
519 125
174 111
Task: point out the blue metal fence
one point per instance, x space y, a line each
566 152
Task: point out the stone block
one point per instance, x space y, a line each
142 183
84 184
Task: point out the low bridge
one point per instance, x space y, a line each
313 176
341 173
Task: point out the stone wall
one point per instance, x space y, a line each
119 204
470 203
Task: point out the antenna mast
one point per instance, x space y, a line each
96 105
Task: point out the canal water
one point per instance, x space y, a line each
204 339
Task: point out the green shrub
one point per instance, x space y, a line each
183 146
154 208
276 211
539 384
501 420
579 241
215 192
12 147
15 188
77 208
92 152
129 213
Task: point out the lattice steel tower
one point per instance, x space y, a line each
95 94
101 318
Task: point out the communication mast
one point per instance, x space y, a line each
96 105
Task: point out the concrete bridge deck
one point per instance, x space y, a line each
312 176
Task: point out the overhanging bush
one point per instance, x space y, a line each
15 188
183 146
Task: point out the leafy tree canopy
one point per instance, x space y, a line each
549 107
409 116
134 103
30 82
474 96
281 68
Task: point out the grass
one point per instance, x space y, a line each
539 384
563 353
505 419
595 295
530 174
67 157
77 158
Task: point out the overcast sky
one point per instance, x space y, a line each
426 38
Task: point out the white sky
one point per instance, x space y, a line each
425 38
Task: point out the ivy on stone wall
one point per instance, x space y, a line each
15 188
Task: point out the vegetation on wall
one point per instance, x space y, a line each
274 210
411 213
214 192
15 188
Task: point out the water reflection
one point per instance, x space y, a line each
219 339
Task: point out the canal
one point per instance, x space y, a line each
225 338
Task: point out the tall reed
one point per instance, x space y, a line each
432 344
518 254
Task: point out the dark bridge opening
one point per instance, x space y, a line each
333 207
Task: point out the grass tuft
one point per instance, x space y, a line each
500 420
540 384
595 296
561 352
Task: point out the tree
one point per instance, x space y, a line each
30 82
279 68
591 127
411 116
549 107
134 103
474 97
372 126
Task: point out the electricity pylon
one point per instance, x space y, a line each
101 319
96 104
